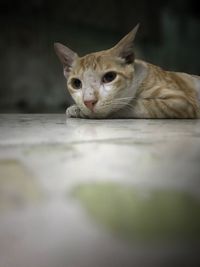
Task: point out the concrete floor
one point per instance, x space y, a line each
45 158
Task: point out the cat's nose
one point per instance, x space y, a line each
90 104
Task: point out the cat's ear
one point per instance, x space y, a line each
66 56
124 48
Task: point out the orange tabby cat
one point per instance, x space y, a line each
112 84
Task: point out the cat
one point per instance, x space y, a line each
113 84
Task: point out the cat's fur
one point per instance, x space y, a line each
139 90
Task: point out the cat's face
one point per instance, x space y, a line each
100 82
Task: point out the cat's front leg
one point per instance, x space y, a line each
74 112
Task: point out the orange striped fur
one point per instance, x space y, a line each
112 84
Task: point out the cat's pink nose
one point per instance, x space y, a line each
90 104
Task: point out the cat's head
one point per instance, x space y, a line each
100 82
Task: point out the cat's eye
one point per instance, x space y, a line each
76 83
109 77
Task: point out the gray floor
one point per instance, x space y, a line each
44 158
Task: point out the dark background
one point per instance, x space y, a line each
30 75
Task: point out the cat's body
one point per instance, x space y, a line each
162 94
112 84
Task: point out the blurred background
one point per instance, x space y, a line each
31 77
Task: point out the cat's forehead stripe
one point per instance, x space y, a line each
89 61
94 62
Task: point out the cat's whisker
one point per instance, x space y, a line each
121 102
117 104
128 97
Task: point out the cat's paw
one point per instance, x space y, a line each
74 112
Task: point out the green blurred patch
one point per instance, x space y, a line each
17 186
142 215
